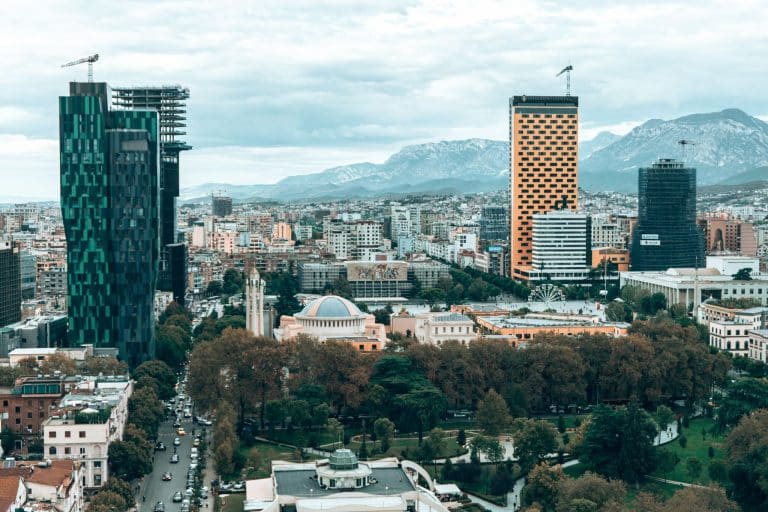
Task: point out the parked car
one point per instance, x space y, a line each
177 497
203 492
160 446
159 507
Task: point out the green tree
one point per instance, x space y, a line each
604 494
461 437
488 445
619 443
104 366
8 439
214 288
746 448
717 471
225 440
234 282
533 441
542 486
433 446
422 408
492 413
108 501
161 373
743 274
384 430
120 487
128 460
618 312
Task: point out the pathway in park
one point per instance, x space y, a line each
514 497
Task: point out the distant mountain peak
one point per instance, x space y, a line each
726 143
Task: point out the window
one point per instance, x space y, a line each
82 451
97 464
81 434
5 403
96 479
52 450
51 433
67 434
67 450
17 410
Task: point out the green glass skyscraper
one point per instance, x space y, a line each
109 201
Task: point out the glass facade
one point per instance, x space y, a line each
10 284
109 202
170 103
666 234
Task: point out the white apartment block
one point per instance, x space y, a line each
560 249
65 437
356 240
609 231
758 345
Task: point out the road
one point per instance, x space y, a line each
152 485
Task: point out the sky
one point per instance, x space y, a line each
290 87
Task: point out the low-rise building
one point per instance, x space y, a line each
342 484
13 493
87 421
732 332
530 325
51 485
434 328
758 345
688 286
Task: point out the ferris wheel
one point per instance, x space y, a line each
546 293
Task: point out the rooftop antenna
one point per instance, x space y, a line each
683 143
567 70
90 60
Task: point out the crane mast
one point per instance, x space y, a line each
567 70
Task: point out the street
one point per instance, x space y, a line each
152 487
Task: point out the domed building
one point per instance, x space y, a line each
334 318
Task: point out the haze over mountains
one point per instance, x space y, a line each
729 147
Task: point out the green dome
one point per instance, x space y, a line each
343 459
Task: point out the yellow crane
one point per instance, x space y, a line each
90 60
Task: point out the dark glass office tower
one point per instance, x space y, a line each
666 235
109 203
10 283
170 103
494 223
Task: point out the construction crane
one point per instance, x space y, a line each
683 143
90 60
567 70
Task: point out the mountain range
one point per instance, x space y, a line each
728 147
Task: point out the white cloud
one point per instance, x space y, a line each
345 76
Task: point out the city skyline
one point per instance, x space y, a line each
292 88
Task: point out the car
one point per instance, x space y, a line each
204 492
185 505
196 442
193 466
176 423
160 446
180 431
187 413
159 507
176 441
167 476
239 486
175 458
171 400
205 422
177 497
189 492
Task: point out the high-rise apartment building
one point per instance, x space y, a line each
10 283
561 246
544 153
666 235
724 233
494 223
169 102
109 203
221 205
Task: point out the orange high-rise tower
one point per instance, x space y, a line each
544 155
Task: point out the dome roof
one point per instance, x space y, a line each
343 459
330 306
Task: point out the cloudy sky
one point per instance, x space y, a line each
289 86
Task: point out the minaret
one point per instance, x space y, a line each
254 303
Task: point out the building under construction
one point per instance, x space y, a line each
170 103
